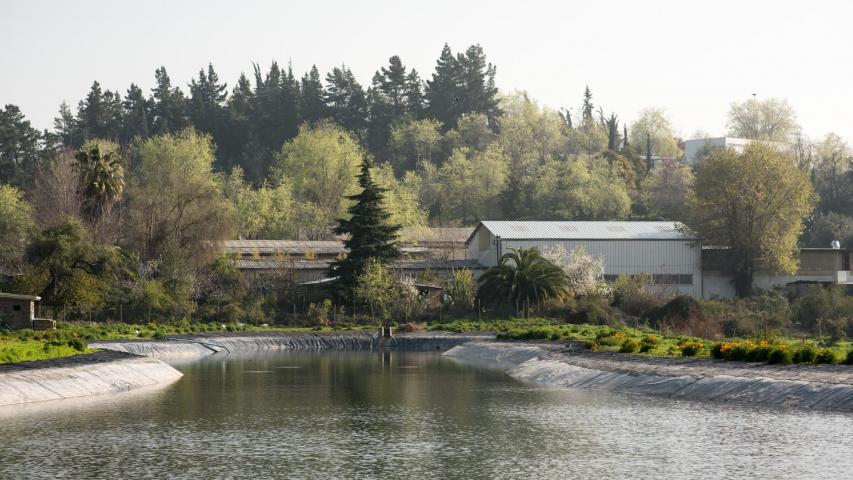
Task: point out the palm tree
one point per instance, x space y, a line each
101 178
521 277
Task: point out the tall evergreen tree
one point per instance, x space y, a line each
443 91
135 122
237 145
612 124
480 95
274 117
587 105
370 234
625 143
312 104
414 94
99 114
19 146
207 109
346 100
66 129
168 105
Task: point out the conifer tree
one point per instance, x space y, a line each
168 105
587 105
371 237
65 127
346 100
312 106
135 122
443 90
414 95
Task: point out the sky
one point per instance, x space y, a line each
691 58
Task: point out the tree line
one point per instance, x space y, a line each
165 175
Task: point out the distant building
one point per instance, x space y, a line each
439 250
17 311
696 148
670 255
818 267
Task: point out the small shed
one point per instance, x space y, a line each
17 311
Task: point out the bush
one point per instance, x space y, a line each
849 360
690 348
806 354
610 339
629 346
825 355
592 346
780 355
648 343
79 344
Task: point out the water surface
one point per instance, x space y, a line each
406 415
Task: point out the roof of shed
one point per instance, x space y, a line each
570 230
15 296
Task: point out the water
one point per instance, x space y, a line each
406 415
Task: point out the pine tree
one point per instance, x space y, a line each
66 128
136 115
19 146
587 105
443 91
371 237
346 101
312 106
625 143
168 105
99 114
207 110
414 95
478 79
612 124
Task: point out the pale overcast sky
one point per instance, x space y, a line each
691 58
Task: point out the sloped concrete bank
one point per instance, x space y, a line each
80 376
813 386
199 345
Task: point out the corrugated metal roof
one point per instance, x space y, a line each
545 230
291 247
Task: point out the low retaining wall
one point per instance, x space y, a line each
183 347
800 386
80 376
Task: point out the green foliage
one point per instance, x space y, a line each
770 119
780 356
70 272
629 346
691 348
101 176
374 287
16 225
522 278
321 164
822 305
825 355
651 134
371 237
805 354
176 206
755 204
319 314
849 358
460 289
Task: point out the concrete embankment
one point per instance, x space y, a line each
812 386
188 347
80 376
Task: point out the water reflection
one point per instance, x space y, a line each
408 415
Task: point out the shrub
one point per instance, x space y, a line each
761 353
806 354
648 343
780 355
691 348
610 339
412 327
849 360
78 344
592 346
629 346
825 355
319 314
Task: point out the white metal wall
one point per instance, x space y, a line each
634 256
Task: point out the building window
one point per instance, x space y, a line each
660 278
16 308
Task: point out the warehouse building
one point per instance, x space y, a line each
667 252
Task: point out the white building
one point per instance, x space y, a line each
818 266
664 250
695 148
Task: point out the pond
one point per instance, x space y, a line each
406 415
